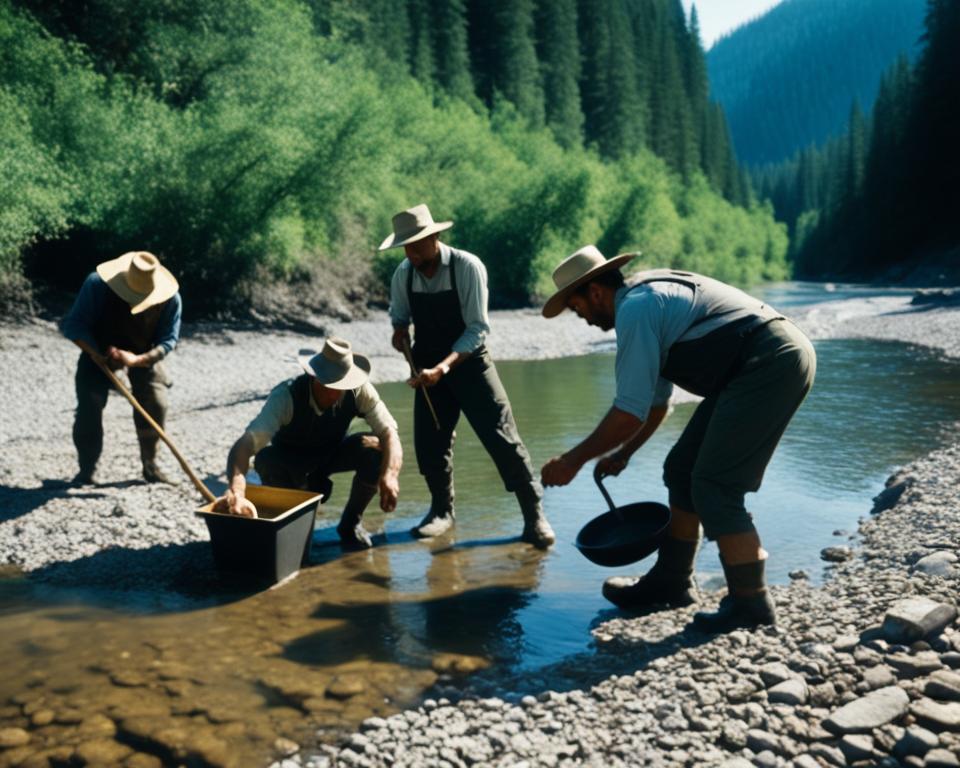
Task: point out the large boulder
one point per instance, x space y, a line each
914 618
868 712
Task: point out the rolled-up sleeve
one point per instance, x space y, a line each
473 294
168 329
374 411
79 321
277 412
399 301
638 357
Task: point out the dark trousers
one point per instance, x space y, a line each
290 468
474 388
149 386
728 442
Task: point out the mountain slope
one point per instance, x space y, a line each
787 79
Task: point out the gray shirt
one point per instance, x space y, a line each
649 319
471 288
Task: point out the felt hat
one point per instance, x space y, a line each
411 225
139 279
577 269
335 366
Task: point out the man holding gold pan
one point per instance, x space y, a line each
300 437
752 366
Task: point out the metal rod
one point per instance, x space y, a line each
599 480
198 483
413 368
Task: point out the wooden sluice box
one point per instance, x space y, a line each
269 547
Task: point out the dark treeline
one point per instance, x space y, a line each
787 79
263 140
889 188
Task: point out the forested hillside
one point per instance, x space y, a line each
264 141
787 79
886 191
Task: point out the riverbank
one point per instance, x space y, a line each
123 535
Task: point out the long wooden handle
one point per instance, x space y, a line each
413 367
198 483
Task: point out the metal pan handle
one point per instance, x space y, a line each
599 481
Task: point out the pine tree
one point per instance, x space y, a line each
451 54
422 63
518 71
559 53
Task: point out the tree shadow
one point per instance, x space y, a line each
19 501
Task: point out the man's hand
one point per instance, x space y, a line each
400 335
560 470
612 464
121 358
389 491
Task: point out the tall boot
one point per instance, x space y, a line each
747 604
440 516
669 584
536 529
148 457
353 535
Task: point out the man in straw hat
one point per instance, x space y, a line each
752 367
300 438
127 315
443 291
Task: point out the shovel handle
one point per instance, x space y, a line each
115 380
599 481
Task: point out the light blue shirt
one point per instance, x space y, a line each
471 289
649 319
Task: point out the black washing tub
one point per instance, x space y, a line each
623 535
267 548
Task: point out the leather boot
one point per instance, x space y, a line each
536 529
440 516
148 456
669 584
353 536
747 604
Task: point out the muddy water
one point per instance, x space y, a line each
199 671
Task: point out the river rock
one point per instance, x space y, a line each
916 617
285 747
793 692
42 717
917 665
943 684
857 746
458 663
915 741
940 758
13 737
869 712
937 564
938 716
345 687
836 554
775 673
102 752
879 676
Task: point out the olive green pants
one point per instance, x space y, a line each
474 388
725 448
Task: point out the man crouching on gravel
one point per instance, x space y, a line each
300 438
752 367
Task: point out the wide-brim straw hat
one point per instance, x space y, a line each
139 279
577 269
335 366
411 225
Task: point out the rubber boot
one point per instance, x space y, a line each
439 518
353 536
148 456
747 604
536 529
669 584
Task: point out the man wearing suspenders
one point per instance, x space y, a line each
443 291
752 367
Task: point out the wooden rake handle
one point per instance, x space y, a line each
413 367
197 482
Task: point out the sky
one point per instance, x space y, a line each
720 16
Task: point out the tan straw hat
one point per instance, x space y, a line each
411 225
335 366
575 270
139 279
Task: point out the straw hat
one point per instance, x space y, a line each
139 279
411 225
335 366
575 270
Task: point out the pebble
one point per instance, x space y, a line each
13 737
836 554
868 712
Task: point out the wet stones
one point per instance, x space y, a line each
838 554
345 686
868 712
13 737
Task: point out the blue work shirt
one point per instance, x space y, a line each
80 321
649 319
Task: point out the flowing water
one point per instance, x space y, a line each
214 676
